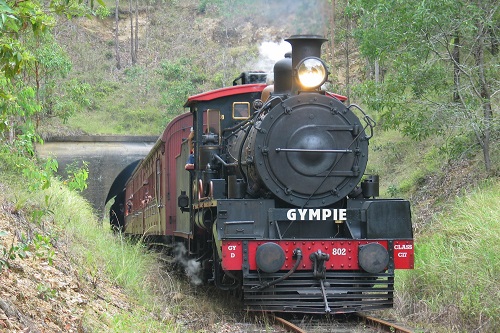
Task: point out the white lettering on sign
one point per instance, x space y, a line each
232 248
339 251
402 254
403 247
316 214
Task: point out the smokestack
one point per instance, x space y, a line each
304 46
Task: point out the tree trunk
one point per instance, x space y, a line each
117 51
485 95
455 57
332 40
347 57
495 41
132 44
136 50
12 131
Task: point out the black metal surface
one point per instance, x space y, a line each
373 257
379 218
283 75
309 150
270 257
303 46
245 219
301 292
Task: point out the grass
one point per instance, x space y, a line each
118 122
101 258
457 267
401 162
454 286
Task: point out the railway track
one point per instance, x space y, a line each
384 324
356 323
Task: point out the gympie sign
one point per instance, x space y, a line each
316 214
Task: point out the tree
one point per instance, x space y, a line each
441 63
117 48
333 25
134 31
28 59
179 79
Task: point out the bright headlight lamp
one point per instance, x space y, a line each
312 73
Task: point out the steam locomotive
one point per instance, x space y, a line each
265 186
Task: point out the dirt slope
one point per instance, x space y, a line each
45 292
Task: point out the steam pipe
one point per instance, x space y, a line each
218 158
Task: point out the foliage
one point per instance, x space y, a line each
102 11
30 62
40 177
39 246
179 80
77 176
13 57
52 64
72 97
45 292
40 174
20 17
440 60
18 113
20 250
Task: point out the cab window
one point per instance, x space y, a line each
213 121
241 110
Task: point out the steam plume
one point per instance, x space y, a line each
192 268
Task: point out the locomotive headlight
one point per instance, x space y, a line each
312 73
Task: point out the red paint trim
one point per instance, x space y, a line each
239 89
224 92
337 96
343 253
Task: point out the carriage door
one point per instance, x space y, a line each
159 206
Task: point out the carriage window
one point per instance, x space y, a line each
158 179
241 110
213 121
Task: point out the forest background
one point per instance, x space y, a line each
428 72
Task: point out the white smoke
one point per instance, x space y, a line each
274 51
270 53
191 267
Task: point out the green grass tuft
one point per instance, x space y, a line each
457 266
100 257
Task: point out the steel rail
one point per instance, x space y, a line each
376 324
288 325
383 324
